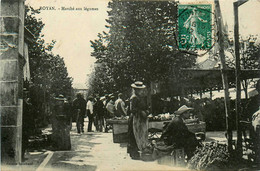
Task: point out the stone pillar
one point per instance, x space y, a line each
11 79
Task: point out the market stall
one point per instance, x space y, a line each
197 128
155 127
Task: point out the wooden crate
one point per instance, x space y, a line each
177 158
120 130
120 133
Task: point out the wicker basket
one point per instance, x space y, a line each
146 156
176 158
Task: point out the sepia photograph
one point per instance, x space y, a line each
130 85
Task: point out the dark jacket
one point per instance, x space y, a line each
176 133
80 104
98 109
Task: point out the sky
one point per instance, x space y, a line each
73 29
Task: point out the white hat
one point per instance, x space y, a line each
103 98
60 97
183 109
138 84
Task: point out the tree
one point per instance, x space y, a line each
47 70
101 82
249 56
49 74
140 44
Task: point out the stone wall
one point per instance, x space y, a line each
11 64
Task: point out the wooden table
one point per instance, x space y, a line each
120 128
156 127
193 127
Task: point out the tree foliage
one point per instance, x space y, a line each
249 49
48 71
140 45
249 53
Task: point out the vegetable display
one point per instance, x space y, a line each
212 156
121 118
161 117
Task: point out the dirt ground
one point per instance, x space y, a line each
95 151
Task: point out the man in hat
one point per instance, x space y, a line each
79 105
120 109
111 106
90 113
98 109
61 131
176 132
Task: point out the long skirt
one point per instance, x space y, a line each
132 148
137 135
140 128
61 134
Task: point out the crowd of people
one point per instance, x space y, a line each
97 110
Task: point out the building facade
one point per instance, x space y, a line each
12 62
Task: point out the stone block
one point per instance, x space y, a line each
8 93
11 40
10 116
10 24
9 141
9 7
11 145
10 53
8 70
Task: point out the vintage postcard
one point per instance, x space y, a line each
130 85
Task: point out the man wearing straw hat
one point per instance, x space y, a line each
176 132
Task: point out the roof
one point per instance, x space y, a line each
211 78
29 36
209 63
245 73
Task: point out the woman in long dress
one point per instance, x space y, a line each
138 121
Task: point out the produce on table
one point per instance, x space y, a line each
161 117
121 118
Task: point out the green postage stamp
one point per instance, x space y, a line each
195 26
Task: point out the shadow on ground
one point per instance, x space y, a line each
66 161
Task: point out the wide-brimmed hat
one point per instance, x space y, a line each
60 97
138 84
183 109
103 98
25 90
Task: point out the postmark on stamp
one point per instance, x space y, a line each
195 26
